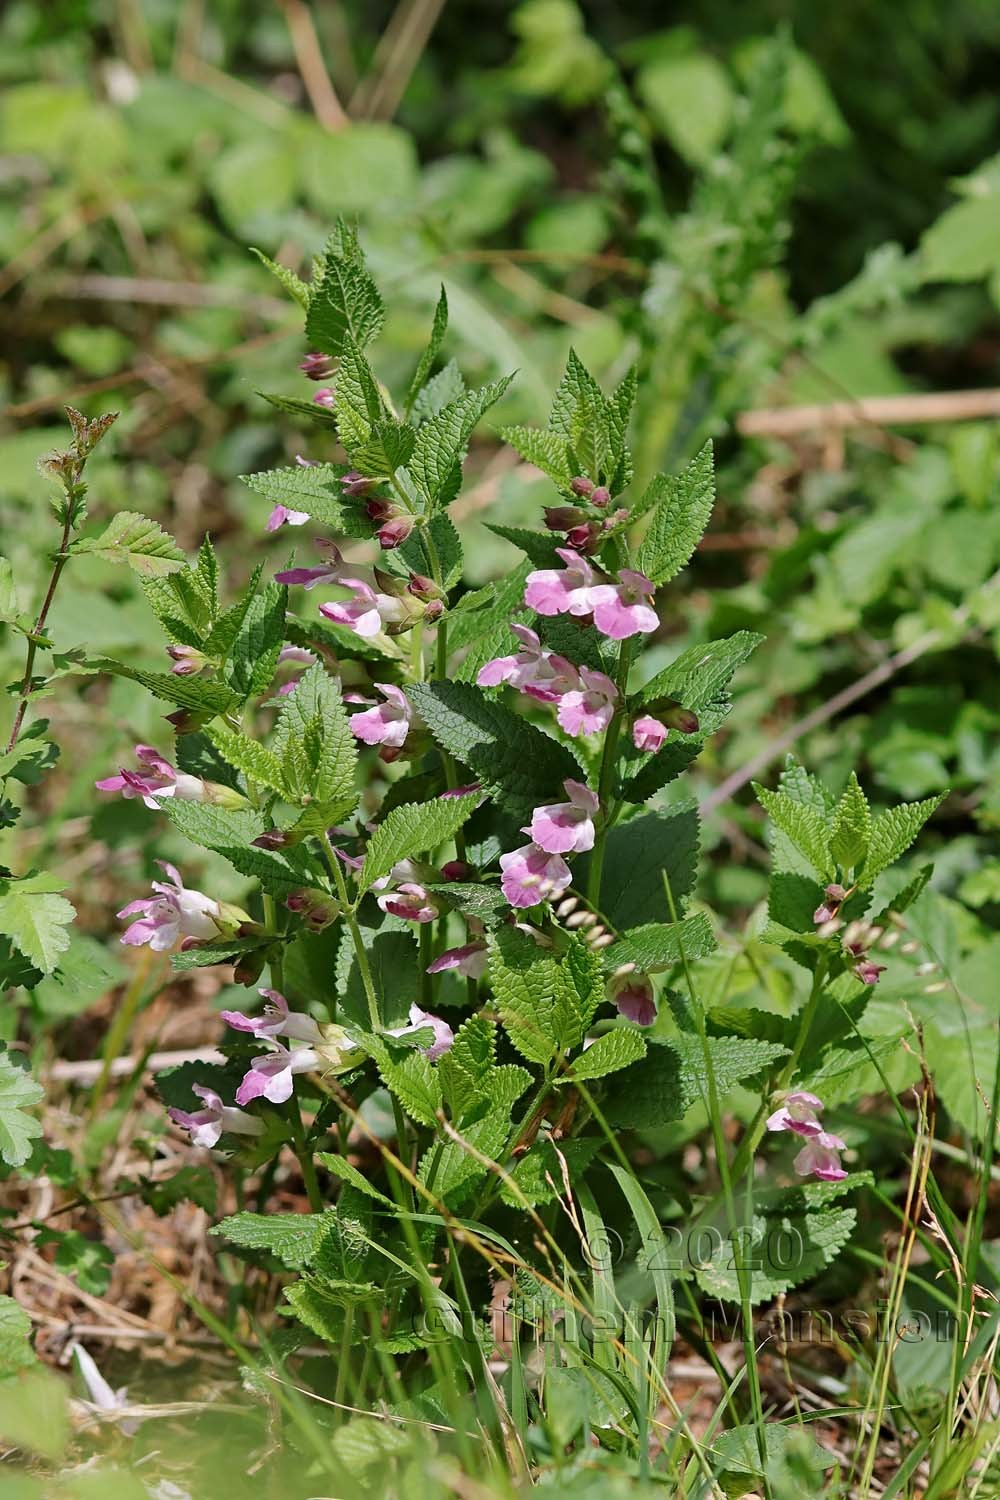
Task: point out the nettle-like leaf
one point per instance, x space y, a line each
639 856
609 1054
254 654
441 390
414 828
538 1175
510 756
313 741
411 1077
672 1077
662 945
256 761
452 1171
18 1093
300 290
892 833
200 694
231 834
294 1239
546 1004
545 450
426 361
802 825
436 464
344 303
582 416
417 556
698 676
136 540
851 827
781 1251
35 918
317 491
681 505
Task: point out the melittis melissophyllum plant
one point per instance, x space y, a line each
470 904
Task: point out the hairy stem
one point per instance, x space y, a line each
60 561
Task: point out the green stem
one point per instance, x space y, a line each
605 785
303 1153
61 559
352 926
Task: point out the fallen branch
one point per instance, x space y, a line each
899 411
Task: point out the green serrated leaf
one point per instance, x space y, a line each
436 465
317 491
200 694
506 753
545 450
231 833
36 918
18 1093
638 855
681 507
254 654
16 1352
424 365
132 538
611 1052
313 741
414 828
891 835
292 1238
801 825
783 1251
851 827
344 304
293 284
247 755
661 945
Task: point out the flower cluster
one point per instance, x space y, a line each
177 914
858 936
155 779
819 1156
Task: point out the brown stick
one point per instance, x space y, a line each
939 406
835 705
309 55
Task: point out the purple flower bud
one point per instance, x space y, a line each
434 610
187 720
274 838
422 587
600 497
325 397
868 971
394 532
380 509
456 869
682 719
582 486
584 538
562 517
188 658
355 486
317 366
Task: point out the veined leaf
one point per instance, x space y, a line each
611 1052
134 539
414 828
344 304
804 827
35 918
892 833
680 512
18 1093
851 827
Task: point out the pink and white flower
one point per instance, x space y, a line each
533 670
272 1075
469 960
297 654
632 992
368 613
648 734
411 901
800 1113
819 1157
868 971
386 724
276 1020
282 516
555 591
566 827
173 913
620 609
155 777
207 1125
421 1020
531 874
329 571
588 709
325 396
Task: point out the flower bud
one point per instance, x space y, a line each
273 838
325 397
562 517
422 587
585 538
188 720
582 486
390 583
395 531
188 658
674 715
456 869
223 796
600 497
434 610
317 366
355 486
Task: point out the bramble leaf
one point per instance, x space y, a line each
35 918
18 1092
